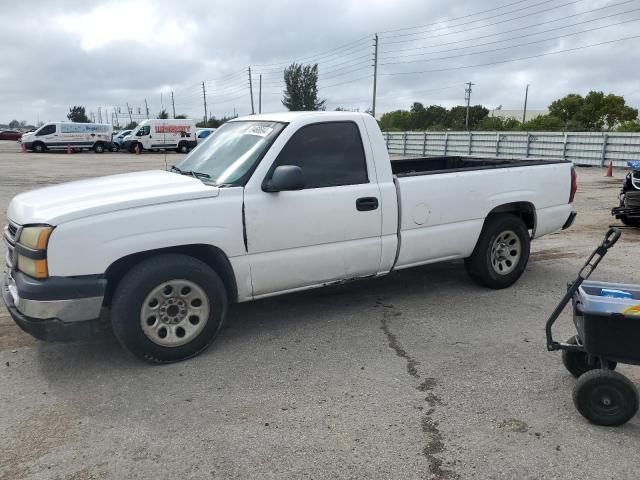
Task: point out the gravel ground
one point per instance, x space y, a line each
420 374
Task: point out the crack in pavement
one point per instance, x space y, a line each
434 442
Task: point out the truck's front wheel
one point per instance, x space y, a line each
168 308
502 252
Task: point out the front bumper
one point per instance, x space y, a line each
56 309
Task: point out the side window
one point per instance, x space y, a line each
330 154
144 131
46 130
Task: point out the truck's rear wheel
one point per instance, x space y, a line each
502 252
183 147
98 147
168 308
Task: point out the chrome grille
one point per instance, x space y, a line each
10 235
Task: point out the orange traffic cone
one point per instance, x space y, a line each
23 149
610 169
69 149
137 149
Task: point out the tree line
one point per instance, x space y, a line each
573 113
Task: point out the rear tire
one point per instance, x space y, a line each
168 308
577 363
501 253
605 398
183 147
98 147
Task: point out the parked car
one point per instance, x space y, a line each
118 139
62 135
269 205
203 133
168 134
10 135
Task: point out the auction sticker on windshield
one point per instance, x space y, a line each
259 130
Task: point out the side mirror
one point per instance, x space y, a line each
285 177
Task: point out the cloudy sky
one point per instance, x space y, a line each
54 54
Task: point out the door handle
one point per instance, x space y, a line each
366 204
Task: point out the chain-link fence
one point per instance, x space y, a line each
582 148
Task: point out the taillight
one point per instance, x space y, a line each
574 185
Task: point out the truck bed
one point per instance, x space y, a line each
411 166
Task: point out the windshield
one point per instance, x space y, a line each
230 153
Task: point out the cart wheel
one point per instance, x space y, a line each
577 363
605 398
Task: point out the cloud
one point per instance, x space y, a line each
109 54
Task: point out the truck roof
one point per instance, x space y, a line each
291 116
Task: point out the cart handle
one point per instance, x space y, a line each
611 237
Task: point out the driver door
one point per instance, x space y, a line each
322 233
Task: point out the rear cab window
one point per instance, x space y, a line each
330 154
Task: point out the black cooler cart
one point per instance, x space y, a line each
607 320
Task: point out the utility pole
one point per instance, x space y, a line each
173 105
146 108
260 95
467 97
251 92
204 98
375 74
524 112
129 110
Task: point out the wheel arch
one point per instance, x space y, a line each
212 256
526 211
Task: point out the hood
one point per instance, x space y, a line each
70 201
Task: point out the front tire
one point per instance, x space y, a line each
502 252
38 147
168 308
605 398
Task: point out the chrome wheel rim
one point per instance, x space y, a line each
505 252
174 313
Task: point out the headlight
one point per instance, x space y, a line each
35 238
33 268
33 261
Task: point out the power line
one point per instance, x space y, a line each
513 30
582 47
456 18
318 55
486 18
512 46
488 24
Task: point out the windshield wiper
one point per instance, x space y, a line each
198 175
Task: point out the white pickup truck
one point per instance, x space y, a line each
269 204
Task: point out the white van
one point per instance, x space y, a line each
168 134
62 135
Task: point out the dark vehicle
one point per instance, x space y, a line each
606 316
10 135
628 212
